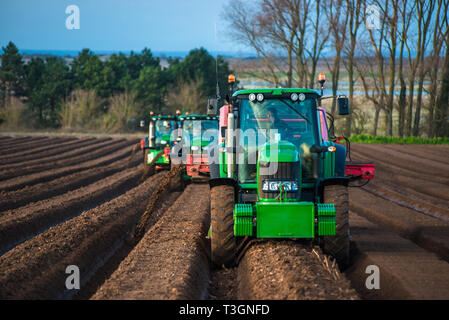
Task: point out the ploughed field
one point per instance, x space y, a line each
82 201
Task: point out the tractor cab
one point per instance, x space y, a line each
267 121
281 128
160 139
197 132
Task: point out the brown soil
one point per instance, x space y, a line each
34 145
288 270
47 150
406 271
413 184
89 204
20 224
54 162
407 234
62 151
428 232
173 251
26 143
113 263
436 153
12 139
20 182
405 165
35 269
407 200
406 160
14 199
163 187
224 284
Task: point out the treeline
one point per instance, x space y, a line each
110 95
394 51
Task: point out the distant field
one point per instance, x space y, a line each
55 133
364 138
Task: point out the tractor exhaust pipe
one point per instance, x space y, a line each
230 142
151 134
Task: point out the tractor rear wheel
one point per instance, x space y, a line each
223 245
338 245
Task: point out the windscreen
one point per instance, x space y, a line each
163 130
294 122
190 127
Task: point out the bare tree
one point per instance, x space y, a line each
440 33
321 33
277 19
337 16
425 10
301 14
405 13
384 44
246 29
371 69
354 13
442 100
366 70
279 31
408 48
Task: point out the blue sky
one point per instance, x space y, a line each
117 25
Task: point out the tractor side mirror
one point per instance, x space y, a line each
236 104
317 149
343 106
212 106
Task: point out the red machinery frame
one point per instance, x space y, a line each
197 165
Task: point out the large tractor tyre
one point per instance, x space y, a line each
338 245
223 245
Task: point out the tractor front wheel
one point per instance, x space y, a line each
338 245
223 245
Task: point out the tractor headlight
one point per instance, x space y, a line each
194 148
252 97
163 142
294 97
260 97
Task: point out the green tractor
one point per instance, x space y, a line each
160 138
196 132
276 173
